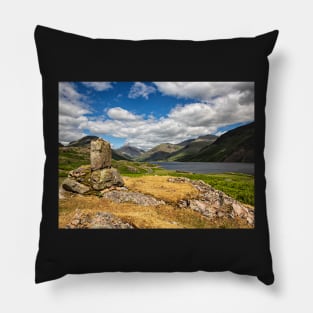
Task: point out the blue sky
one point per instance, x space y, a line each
144 114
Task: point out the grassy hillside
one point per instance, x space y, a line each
238 186
236 145
151 180
173 152
189 149
165 215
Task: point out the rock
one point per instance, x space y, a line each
108 220
120 196
178 180
61 193
213 203
183 203
220 214
75 221
198 205
97 176
240 210
202 207
80 173
250 219
72 185
99 220
105 178
100 154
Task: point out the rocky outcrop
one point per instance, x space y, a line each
97 176
121 196
213 203
99 220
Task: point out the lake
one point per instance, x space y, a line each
208 167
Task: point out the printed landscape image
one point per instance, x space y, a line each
156 155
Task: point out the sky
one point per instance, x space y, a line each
145 114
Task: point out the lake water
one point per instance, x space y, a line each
208 167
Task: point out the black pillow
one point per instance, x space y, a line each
154 155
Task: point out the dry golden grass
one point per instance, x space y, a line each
138 216
164 216
160 188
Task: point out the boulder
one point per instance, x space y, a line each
98 220
105 178
81 174
72 185
121 196
214 203
97 176
240 210
100 154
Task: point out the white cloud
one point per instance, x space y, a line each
216 105
72 108
99 86
208 91
182 122
195 114
121 114
140 89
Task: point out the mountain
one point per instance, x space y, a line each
172 152
192 146
85 142
116 156
130 152
159 152
82 141
186 142
209 138
237 145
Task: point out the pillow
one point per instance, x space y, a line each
154 155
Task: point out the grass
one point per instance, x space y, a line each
239 186
71 158
163 216
160 188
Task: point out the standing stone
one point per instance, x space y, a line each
100 154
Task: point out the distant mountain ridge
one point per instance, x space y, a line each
172 152
130 152
159 152
82 141
192 146
237 145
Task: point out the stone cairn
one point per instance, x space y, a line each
97 176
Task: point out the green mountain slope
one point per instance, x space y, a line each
237 145
130 152
159 152
192 146
82 142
